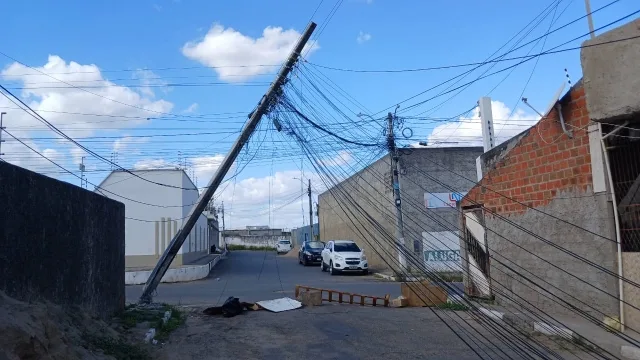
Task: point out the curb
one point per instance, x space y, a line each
539 327
182 274
386 277
630 352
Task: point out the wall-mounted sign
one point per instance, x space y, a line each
441 250
442 255
442 200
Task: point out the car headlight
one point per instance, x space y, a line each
363 258
307 253
338 257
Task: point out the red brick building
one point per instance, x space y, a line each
545 214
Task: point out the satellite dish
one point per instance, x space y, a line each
555 99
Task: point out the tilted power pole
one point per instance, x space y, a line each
224 242
395 168
266 101
310 213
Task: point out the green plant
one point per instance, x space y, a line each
453 306
175 321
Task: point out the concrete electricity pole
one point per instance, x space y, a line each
2 114
587 4
82 182
222 211
395 168
310 213
267 100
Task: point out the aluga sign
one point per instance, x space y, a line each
442 255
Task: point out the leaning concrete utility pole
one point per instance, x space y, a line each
266 101
2 114
395 168
310 213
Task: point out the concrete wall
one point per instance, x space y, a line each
631 262
154 214
611 71
254 241
347 211
60 243
302 234
548 176
423 171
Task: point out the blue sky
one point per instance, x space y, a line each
121 37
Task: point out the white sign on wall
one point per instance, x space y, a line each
442 200
441 250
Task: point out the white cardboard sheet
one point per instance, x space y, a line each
279 305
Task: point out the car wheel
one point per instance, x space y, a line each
299 261
365 272
332 271
304 262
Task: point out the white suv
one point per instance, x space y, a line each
283 246
343 255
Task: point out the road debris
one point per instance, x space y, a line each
400 302
310 298
231 307
341 296
423 293
279 305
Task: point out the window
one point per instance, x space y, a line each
314 245
346 247
285 242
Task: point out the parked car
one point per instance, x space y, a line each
310 252
283 246
343 255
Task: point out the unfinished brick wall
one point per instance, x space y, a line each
545 169
544 162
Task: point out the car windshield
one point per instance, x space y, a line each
285 242
315 245
346 247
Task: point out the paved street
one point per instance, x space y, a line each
257 275
353 331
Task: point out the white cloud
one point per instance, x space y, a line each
64 105
150 81
237 57
205 166
150 164
468 132
191 109
247 201
342 158
157 7
363 37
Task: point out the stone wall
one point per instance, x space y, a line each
60 243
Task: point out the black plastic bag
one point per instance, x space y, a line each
232 307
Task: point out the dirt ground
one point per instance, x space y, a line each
46 331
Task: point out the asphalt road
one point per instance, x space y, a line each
257 275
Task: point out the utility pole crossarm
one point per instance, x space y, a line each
195 212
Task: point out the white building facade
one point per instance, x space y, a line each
154 213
